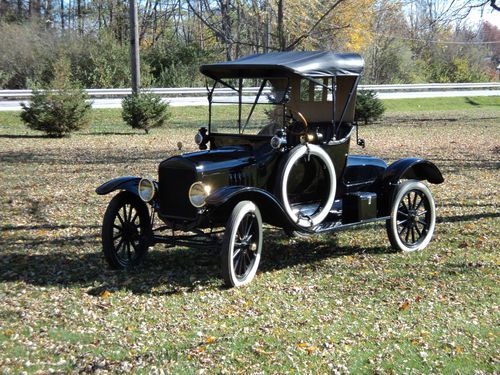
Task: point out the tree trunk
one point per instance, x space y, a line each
238 30
79 16
62 15
226 27
48 11
20 12
281 31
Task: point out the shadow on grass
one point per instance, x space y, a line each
164 271
111 133
17 136
46 227
414 121
471 217
79 158
472 102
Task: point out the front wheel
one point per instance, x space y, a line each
125 231
242 244
413 217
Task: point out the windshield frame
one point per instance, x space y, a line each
283 102
239 91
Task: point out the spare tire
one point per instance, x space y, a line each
306 175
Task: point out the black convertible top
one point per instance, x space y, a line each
279 64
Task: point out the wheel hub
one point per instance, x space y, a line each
130 232
412 217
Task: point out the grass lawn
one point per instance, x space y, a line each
440 104
333 303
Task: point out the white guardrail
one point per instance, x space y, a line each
202 91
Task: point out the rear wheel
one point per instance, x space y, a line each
242 244
413 217
126 230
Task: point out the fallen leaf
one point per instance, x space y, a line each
105 294
312 349
404 306
263 352
210 340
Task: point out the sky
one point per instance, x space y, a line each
489 14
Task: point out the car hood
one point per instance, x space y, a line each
212 160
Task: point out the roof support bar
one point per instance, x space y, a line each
334 104
210 98
226 84
240 99
319 83
254 104
348 102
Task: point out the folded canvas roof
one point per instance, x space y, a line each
287 64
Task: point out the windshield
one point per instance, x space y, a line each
261 110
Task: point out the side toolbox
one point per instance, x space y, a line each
359 206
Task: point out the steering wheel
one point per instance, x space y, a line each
301 119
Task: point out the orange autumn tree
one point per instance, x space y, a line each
316 24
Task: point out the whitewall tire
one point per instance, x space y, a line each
294 156
242 244
413 217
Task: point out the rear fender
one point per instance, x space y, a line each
407 168
222 201
412 169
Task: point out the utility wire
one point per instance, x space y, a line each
437 41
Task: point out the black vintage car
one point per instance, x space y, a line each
290 169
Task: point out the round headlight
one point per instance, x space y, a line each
198 192
198 138
146 189
277 142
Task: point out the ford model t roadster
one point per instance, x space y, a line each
291 170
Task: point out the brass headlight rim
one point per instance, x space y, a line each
205 195
153 189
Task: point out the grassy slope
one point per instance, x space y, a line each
340 301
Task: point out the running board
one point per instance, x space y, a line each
333 226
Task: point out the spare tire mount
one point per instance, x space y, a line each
294 155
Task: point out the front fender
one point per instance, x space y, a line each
407 168
128 183
222 201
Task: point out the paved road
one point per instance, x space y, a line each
13 105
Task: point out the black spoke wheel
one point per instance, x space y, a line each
413 217
126 230
242 244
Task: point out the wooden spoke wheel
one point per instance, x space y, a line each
413 217
125 231
242 244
